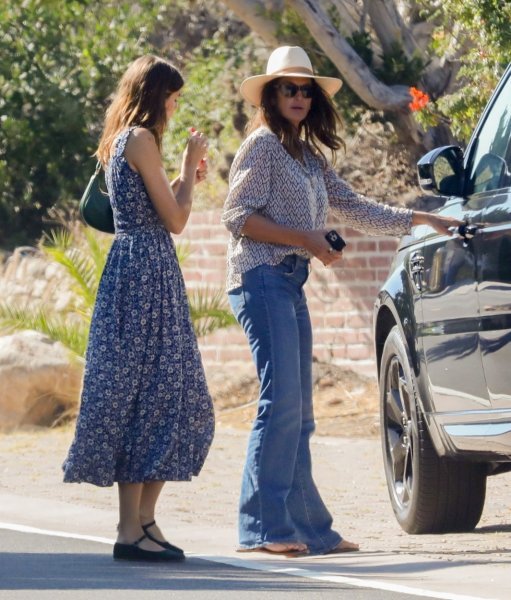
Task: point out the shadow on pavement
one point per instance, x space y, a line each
67 571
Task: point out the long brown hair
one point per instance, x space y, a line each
317 129
140 101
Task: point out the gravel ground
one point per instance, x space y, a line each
348 472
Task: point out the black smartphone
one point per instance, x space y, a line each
335 240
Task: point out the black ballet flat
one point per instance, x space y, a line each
134 552
166 545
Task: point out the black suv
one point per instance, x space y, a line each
443 337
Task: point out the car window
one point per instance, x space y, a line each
489 167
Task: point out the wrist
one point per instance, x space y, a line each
300 238
185 176
188 167
421 218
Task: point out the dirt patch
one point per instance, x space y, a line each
345 402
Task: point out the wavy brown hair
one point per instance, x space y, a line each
140 101
318 129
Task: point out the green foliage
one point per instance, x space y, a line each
360 41
208 311
292 29
397 68
482 29
57 327
83 257
210 102
82 267
83 253
58 63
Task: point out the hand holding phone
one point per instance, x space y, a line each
335 240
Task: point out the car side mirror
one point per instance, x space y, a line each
441 171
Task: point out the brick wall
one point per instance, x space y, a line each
340 299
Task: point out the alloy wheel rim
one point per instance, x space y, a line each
398 433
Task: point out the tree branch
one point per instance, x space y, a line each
252 12
348 14
390 27
354 71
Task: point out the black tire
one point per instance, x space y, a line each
429 494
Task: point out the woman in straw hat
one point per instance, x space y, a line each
281 186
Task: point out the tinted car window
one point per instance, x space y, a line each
489 168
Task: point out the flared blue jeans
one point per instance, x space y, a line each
279 500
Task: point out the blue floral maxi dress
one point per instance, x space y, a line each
145 414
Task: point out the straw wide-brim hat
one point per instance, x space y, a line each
286 61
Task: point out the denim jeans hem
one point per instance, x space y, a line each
313 549
268 542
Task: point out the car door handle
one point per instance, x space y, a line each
467 232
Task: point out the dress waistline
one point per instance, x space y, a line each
140 229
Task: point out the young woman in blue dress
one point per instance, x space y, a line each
146 416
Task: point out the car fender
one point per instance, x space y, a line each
391 309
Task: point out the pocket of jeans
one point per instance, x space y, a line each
287 266
285 269
295 269
236 300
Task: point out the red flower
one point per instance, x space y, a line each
419 99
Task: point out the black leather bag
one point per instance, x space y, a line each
95 207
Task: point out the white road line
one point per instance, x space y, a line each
254 565
62 534
353 581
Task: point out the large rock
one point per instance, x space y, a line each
38 380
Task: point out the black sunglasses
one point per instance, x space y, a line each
289 90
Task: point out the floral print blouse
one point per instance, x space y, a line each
266 179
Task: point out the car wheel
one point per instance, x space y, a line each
429 494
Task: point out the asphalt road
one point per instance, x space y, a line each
36 566
50 544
